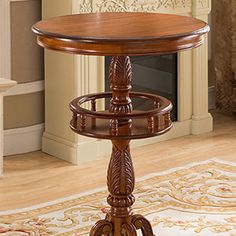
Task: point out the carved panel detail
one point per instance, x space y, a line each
203 3
134 5
85 6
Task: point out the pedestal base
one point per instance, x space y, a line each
120 220
119 227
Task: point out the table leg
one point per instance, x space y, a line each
120 220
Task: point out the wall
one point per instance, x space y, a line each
23 58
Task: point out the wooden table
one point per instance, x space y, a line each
121 35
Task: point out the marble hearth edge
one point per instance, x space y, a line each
69 76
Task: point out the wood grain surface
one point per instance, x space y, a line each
121 33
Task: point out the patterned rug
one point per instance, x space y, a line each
194 200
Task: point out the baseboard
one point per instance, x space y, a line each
59 147
201 125
92 149
23 140
78 152
211 98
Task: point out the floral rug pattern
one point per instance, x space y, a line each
194 200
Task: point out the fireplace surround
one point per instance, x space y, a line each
85 74
152 74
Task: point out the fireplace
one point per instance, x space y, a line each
152 74
85 74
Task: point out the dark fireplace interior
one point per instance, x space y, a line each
152 74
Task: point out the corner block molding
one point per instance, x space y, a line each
86 75
26 139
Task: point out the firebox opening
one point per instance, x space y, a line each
152 74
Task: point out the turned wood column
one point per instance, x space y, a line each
120 175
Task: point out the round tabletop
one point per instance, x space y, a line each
120 33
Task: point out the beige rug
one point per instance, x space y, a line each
195 200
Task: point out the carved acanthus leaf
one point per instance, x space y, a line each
120 72
120 76
120 172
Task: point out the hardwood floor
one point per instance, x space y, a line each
37 177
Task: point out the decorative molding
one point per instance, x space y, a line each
73 151
201 8
20 0
202 121
26 88
185 100
22 140
132 5
203 3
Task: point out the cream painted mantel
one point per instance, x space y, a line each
69 76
